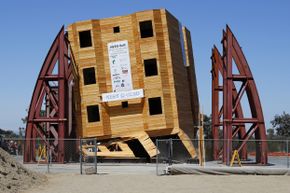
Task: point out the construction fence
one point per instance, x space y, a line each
45 157
172 152
81 155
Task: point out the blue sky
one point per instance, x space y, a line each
262 28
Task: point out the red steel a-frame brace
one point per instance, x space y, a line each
51 90
230 115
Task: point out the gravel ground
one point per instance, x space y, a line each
147 183
14 176
141 178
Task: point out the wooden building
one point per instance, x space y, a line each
136 81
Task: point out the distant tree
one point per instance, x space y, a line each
207 126
22 129
7 133
24 119
270 133
21 132
281 123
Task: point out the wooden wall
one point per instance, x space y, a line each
175 83
192 78
182 85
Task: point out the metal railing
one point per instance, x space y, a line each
81 154
173 152
88 157
44 159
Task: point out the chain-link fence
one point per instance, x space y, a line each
15 147
173 152
80 155
88 157
47 156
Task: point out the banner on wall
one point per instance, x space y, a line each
123 95
120 66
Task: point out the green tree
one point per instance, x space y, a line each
22 129
270 133
207 126
281 123
5 133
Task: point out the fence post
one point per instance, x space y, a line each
170 151
287 150
50 157
95 157
47 155
81 157
157 156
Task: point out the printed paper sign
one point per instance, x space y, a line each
120 66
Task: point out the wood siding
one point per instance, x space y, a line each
175 83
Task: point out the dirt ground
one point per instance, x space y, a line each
14 176
134 183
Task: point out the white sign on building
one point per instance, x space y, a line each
123 95
120 66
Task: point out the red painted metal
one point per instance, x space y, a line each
230 115
239 131
48 112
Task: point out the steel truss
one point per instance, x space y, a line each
50 112
229 116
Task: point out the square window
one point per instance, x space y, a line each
93 113
125 104
116 29
85 39
155 106
146 29
89 76
150 67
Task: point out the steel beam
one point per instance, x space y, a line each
51 122
217 70
230 114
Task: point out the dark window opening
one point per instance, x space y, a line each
85 39
93 113
146 29
150 67
116 29
155 106
125 104
89 76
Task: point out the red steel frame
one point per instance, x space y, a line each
230 115
51 87
240 131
